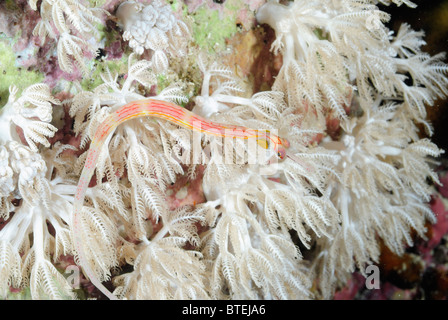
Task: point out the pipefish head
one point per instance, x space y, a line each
280 148
278 145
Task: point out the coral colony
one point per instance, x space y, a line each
196 200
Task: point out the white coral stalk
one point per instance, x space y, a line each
37 270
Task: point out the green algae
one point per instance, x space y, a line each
210 29
11 74
103 68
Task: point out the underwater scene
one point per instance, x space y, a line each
223 150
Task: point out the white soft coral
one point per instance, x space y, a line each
32 113
154 27
314 71
28 115
381 192
340 57
253 208
72 24
330 50
37 270
141 152
138 163
27 241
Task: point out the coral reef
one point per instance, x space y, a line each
171 214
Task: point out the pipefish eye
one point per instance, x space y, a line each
281 153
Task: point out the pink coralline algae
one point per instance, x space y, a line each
186 192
